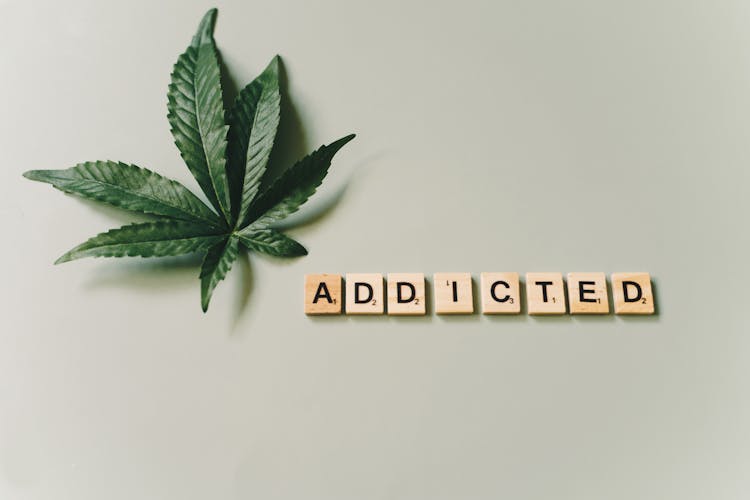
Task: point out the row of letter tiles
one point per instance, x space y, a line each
500 293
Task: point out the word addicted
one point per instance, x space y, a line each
404 294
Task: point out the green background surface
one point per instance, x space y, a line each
492 136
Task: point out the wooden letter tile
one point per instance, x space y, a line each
453 293
545 293
406 294
364 294
500 293
632 293
587 293
322 294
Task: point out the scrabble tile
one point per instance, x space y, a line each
587 293
322 294
500 293
364 294
406 294
545 293
632 293
453 293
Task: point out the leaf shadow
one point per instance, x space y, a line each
316 213
323 204
120 216
291 143
157 274
229 86
245 289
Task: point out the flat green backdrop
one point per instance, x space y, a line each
492 136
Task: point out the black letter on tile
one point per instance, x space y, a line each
492 291
399 298
455 291
582 291
322 293
357 299
544 285
639 292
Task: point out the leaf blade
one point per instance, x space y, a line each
253 125
128 187
161 238
196 115
217 263
294 187
271 242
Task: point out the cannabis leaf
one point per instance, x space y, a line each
227 154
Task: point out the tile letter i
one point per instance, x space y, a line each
453 293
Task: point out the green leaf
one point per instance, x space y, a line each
129 187
196 114
271 242
294 187
216 265
253 123
150 239
227 154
